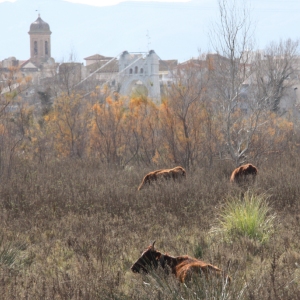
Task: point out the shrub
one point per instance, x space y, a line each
248 216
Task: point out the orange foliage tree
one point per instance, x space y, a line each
273 138
67 125
143 124
107 140
182 114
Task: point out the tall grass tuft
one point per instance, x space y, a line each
10 255
156 285
249 216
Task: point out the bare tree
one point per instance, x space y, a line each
232 39
276 71
247 84
12 113
70 74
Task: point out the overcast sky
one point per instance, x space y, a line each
178 30
109 2
113 2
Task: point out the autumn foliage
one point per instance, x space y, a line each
189 126
121 131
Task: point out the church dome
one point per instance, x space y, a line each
39 26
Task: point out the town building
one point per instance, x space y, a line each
128 73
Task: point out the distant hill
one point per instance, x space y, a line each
173 30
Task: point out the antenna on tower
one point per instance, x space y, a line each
38 10
148 40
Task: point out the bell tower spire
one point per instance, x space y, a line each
40 41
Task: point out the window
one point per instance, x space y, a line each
46 48
142 71
135 70
35 48
130 71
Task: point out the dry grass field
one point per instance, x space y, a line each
71 229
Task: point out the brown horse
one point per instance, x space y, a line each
175 173
183 267
244 172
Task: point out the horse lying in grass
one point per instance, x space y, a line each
243 174
183 267
175 173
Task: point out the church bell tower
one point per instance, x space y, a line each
40 41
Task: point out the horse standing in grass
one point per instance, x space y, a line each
175 173
243 173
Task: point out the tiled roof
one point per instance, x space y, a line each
113 66
166 65
97 57
23 62
28 64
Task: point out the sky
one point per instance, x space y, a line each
108 2
175 30
113 2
